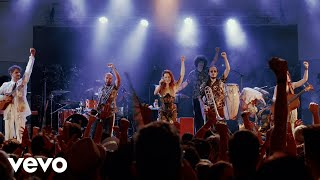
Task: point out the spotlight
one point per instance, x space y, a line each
144 23
188 21
103 20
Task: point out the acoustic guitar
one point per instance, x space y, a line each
5 104
293 99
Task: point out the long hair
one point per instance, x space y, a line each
171 84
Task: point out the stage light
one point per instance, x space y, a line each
144 23
103 20
188 21
235 36
188 34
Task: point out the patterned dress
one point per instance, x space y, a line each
168 110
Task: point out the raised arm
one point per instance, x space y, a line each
305 76
116 73
182 72
314 109
216 56
226 62
157 89
28 71
186 82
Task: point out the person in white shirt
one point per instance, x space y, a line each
18 109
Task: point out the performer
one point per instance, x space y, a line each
13 93
216 85
293 115
107 102
167 89
249 99
197 77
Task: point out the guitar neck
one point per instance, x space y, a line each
296 96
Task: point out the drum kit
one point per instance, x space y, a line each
74 110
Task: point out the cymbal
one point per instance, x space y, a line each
183 96
59 92
88 90
69 102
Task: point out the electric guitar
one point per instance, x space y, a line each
293 99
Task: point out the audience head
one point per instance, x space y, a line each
282 166
85 158
186 137
158 151
244 149
298 134
312 148
221 170
6 170
37 145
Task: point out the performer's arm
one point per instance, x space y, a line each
305 76
186 82
182 73
29 67
157 89
226 62
116 73
216 56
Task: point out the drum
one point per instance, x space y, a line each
91 104
64 114
232 101
80 119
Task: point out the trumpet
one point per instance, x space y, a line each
211 102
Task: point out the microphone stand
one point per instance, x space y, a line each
44 118
241 77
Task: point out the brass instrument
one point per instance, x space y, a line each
211 102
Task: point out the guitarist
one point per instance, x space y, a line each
107 103
293 115
13 94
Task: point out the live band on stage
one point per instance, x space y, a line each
109 101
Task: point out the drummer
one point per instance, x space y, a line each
217 86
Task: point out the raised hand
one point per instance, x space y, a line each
314 108
224 55
32 51
297 123
217 49
161 81
25 137
110 65
278 65
182 58
305 64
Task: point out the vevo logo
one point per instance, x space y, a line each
30 164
